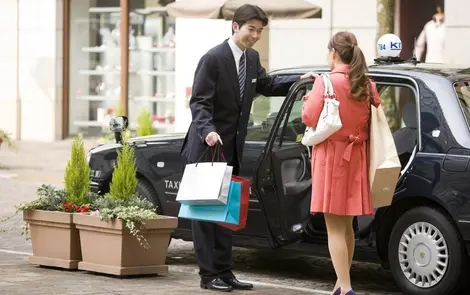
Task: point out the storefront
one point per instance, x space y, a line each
97 69
63 65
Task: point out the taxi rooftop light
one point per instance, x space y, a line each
389 48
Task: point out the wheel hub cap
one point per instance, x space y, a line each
423 254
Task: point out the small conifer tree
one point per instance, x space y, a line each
77 174
124 181
144 122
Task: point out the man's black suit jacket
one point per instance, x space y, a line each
215 102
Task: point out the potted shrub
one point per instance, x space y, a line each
145 124
5 138
124 235
48 218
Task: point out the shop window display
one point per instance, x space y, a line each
95 41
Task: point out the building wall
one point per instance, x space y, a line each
31 76
305 41
457 32
31 59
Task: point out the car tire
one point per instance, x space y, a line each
416 239
146 191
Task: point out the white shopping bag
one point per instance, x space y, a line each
384 164
205 183
329 121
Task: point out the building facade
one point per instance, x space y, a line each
61 60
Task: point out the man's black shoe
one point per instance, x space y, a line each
236 284
217 284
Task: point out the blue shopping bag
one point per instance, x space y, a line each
228 213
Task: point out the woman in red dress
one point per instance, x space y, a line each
340 185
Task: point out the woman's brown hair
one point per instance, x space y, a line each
345 45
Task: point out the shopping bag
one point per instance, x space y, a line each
244 204
228 213
384 164
205 183
329 121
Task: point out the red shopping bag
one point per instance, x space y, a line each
244 204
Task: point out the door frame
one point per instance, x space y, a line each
264 164
264 173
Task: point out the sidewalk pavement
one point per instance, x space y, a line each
38 161
18 277
34 163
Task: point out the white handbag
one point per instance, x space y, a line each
329 121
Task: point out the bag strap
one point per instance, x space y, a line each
215 153
329 90
371 101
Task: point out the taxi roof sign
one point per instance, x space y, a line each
389 45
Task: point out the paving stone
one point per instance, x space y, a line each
34 163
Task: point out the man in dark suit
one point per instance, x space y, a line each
227 79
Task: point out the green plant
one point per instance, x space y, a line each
5 137
49 198
133 211
75 197
122 201
144 124
77 174
124 181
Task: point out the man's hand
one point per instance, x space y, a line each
212 139
309 74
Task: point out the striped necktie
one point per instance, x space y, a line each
242 76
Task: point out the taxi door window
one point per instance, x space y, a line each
462 90
264 111
291 129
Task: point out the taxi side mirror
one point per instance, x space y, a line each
118 125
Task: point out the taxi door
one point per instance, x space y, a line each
282 181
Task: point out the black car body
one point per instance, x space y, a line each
424 236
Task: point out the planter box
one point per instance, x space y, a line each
54 238
109 248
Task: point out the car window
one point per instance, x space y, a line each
291 129
463 93
263 114
399 104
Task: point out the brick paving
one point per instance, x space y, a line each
34 163
20 278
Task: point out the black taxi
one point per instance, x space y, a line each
423 237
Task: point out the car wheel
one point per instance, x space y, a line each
147 192
426 254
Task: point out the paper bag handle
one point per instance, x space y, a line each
213 154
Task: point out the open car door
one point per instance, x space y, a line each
282 182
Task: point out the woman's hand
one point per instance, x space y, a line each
309 74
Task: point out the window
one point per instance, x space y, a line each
263 114
94 72
291 129
399 103
463 93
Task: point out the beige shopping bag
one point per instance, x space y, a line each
384 164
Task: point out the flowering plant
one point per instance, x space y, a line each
72 208
5 137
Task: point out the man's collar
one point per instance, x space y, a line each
234 46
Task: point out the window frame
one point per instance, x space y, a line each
269 131
467 120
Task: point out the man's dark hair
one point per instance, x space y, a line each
249 12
